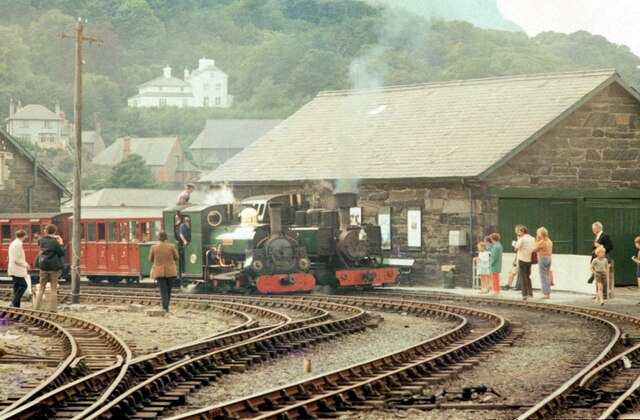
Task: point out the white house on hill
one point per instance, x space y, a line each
204 87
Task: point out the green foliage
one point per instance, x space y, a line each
131 172
278 53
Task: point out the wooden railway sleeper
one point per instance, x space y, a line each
325 407
341 403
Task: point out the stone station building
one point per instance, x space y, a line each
472 157
25 185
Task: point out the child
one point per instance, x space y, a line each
483 265
600 270
637 260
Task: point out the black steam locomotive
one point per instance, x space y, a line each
278 244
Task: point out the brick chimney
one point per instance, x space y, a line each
126 147
12 107
167 72
58 109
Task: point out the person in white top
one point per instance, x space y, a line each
18 267
524 248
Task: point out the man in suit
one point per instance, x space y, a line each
604 240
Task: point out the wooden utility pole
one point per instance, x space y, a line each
77 169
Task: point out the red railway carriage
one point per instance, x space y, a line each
33 224
115 243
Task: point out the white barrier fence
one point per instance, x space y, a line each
570 272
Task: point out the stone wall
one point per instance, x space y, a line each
17 175
597 146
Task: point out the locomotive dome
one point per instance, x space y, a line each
249 217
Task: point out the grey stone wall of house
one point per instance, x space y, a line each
18 177
597 146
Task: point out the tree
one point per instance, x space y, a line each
49 55
131 172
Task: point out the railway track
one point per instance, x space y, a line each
606 387
86 348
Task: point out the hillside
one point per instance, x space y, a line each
279 53
481 13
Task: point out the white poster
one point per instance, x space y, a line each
384 221
414 229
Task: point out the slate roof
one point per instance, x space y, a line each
166 81
136 197
454 129
155 151
231 134
206 68
34 112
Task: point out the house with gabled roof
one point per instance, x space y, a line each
206 86
163 156
462 159
38 125
26 185
222 139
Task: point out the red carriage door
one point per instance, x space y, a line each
30 245
102 256
89 253
135 234
122 254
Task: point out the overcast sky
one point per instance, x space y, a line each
616 20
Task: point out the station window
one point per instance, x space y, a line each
123 232
112 232
102 232
6 234
35 230
133 231
91 231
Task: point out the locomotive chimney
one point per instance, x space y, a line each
343 202
275 217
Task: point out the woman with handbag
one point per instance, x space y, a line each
50 264
544 247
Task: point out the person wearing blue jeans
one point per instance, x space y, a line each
544 247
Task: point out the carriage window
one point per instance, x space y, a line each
123 232
144 231
102 231
35 229
26 230
133 231
91 231
155 229
112 232
6 233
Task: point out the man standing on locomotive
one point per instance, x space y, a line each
184 231
184 196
